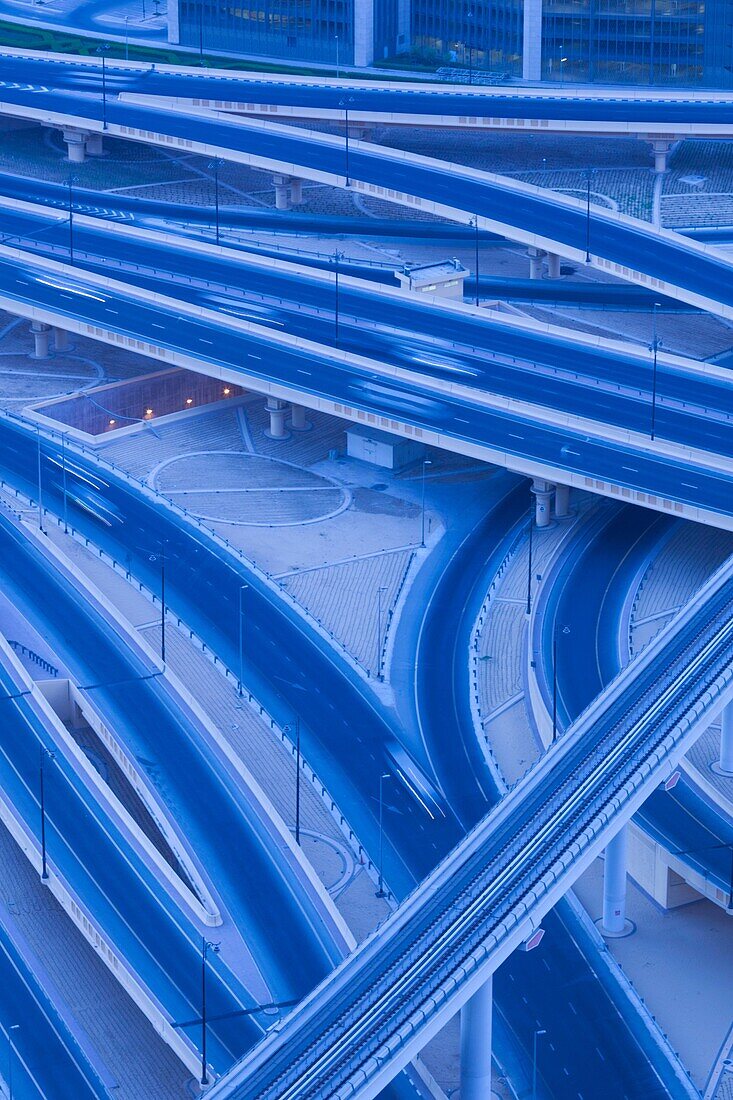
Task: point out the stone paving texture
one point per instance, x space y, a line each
345 599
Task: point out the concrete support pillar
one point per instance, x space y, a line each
298 422
296 192
553 265
532 40
404 25
725 764
661 151
614 886
76 141
363 25
476 1044
282 191
95 145
276 408
543 496
61 339
41 336
536 256
562 501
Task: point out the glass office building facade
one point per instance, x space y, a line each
658 42
663 42
307 30
638 41
457 32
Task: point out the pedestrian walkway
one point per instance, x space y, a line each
683 563
499 645
355 601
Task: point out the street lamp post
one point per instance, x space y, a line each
201 31
381 892
655 345
240 683
70 182
337 258
588 179
529 557
43 753
127 38
297 780
101 51
40 485
380 590
161 559
337 57
425 463
289 729
11 1051
556 630
344 105
474 222
469 40
162 602
215 164
537 1032
206 946
63 480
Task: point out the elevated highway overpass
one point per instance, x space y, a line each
548 445
146 920
437 952
367 413
587 377
645 112
622 246
345 738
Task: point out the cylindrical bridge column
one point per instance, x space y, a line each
282 191
61 339
76 144
476 1044
543 497
553 265
661 150
41 339
277 409
298 420
614 921
536 258
95 144
562 501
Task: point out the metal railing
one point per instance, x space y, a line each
31 654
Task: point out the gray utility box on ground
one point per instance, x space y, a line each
381 449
